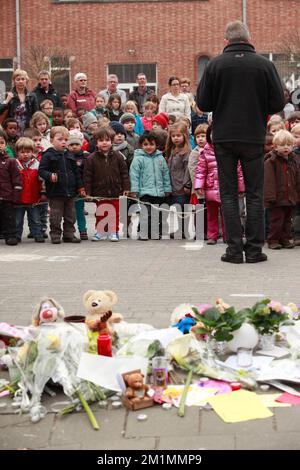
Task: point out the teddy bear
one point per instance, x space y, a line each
47 310
99 304
136 390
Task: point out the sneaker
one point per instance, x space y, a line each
71 240
39 239
99 237
113 237
55 241
274 246
210 241
287 244
11 241
83 236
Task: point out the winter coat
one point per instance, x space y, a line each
179 172
106 175
31 105
32 185
41 95
10 179
192 164
133 139
113 116
127 152
241 88
179 105
149 174
281 180
64 165
80 159
207 175
139 128
76 100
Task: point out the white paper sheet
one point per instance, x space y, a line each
103 370
259 362
275 352
165 335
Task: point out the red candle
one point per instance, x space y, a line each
235 386
104 345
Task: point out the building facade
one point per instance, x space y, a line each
160 38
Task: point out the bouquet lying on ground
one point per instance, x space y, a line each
267 316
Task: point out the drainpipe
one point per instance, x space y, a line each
18 36
245 12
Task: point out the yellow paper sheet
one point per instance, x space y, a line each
268 399
239 406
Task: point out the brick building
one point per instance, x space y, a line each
160 38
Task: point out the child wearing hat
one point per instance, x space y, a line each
160 121
120 143
90 126
75 148
128 120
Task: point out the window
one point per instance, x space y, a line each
60 74
288 67
202 63
127 73
6 71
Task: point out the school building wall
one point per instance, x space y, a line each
172 34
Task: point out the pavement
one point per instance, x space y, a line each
150 278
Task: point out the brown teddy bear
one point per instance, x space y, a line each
99 304
136 389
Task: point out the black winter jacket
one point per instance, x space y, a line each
241 88
42 95
31 105
64 165
10 179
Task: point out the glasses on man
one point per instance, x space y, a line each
82 80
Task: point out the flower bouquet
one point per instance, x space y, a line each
267 316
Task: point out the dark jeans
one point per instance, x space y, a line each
43 210
180 200
62 208
151 221
297 222
280 224
34 220
251 158
7 220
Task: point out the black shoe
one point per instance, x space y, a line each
256 259
45 235
39 239
30 235
55 241
72 240
11 241
236 259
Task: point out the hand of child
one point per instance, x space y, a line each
200 192
134 195
53 178
81 192
241 195
88 198
126 193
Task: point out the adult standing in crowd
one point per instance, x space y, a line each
45 90
241 88
185 87
20 104
81 96
141 93
175 102
112 87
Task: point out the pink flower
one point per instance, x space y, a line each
203 307
276 306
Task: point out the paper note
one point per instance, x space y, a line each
259 362
288 398
103 370
164 335
239 406
269 400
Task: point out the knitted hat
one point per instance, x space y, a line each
79 76
75 137
87 119
127 117
162 119
117 127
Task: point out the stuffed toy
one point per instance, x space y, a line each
136 389
99 304
47 311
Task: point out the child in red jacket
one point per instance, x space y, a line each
31 193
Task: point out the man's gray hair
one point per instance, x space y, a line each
44 72
236 31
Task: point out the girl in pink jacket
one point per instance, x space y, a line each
207 183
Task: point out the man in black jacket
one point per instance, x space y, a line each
241 88
45 90
141 93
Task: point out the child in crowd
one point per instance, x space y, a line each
178 150
155 100
161 141
150 182
58 117
200 140
106 176
64 100
147 119
31 193
68 114
99 108
120 143
62 176
281 190
197 117
160 121
113 108
293 119
187 122
128 120
275 124
131 107
80 112
10 126
41 122
75 148
90 126
36 137
268 147
207 183
296 134
10 190
47 108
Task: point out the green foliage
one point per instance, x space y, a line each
267 316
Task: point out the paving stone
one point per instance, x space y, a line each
18 432
202 442
289 421
274 441
210 423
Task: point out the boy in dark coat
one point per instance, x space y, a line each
281 190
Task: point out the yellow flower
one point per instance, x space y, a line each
265 311
221 305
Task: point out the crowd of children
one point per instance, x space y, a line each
64 159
